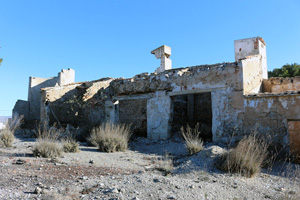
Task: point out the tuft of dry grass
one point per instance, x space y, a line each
6 138
47 144
47 148
193 142
70 145
7 135
110 137
246 158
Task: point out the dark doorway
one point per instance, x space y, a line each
192 109
134 112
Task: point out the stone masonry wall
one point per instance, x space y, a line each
280 84
270 114
76 104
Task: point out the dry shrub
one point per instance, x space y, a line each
246 158
6 138
47 148
110 137
7 135
47 144
70 145
193 142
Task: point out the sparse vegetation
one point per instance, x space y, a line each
246 158
47 144
47 148
165 164
6 138
7 135
193 142
70 145
110 137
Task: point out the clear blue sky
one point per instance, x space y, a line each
113 38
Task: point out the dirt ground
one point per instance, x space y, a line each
136 174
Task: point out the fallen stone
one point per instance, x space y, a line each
38 190
20 162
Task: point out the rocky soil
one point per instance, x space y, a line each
143 172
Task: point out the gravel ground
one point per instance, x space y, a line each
135 174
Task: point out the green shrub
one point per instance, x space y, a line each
110 137
193 142
246 158
47 148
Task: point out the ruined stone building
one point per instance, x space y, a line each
226 99
30 109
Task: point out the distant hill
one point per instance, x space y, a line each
4 118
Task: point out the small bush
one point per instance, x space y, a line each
47 148
6 138
7 135
110 137
47 144
193 142
70 146
246 158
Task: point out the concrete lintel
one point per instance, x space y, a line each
184 92
139 96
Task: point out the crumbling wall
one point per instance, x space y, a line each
280 84
33 105
20 109
57 103
34 94
270 113
182 79
78 104
252 74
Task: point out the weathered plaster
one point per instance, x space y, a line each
158 115
252 74
270 114
249 47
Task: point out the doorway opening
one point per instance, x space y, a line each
191 109
134 112
294 134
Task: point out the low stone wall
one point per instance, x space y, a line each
280 84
